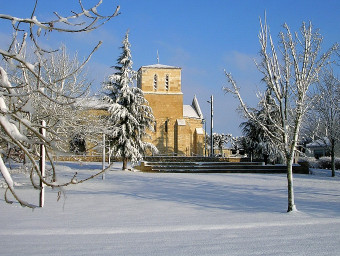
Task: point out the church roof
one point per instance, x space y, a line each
197 107
189 111
160 66
92 103
193 111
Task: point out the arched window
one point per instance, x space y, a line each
167 82
155 78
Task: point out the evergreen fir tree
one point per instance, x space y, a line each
256 139
130 115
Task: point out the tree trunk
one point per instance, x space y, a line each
265 158
125 161
333 156
291 202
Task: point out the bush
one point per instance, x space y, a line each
312 162
325 163
321 163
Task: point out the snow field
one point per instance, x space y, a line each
132 213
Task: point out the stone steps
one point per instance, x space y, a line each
218 167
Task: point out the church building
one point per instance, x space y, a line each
178 128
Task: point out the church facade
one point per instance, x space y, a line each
178 128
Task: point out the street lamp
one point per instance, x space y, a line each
211 125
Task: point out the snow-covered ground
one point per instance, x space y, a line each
132 213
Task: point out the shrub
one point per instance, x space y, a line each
321 163
312 162
325 163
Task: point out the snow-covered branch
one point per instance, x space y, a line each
43 85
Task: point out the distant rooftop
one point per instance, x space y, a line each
92 103
160 66
320 143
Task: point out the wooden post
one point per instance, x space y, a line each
109 155
42 165
103 163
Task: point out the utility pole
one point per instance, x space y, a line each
211 125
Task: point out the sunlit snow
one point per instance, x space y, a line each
134 213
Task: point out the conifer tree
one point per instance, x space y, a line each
130 115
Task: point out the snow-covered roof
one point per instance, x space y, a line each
193 111
189 111
199 130
181 122
159 66
92 103
197 107
321 143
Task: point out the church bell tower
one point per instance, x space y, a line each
161 85
178 128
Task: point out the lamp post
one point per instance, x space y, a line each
211 101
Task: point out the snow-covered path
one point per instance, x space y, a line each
176 214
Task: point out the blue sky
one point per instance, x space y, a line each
201 37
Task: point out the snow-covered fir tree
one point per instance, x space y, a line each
130 115
255 139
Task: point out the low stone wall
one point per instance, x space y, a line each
83 158
78 158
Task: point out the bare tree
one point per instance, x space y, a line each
323 120
69 121
58 108
288 74
16 91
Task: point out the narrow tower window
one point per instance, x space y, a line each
167 82
155 82
166 126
